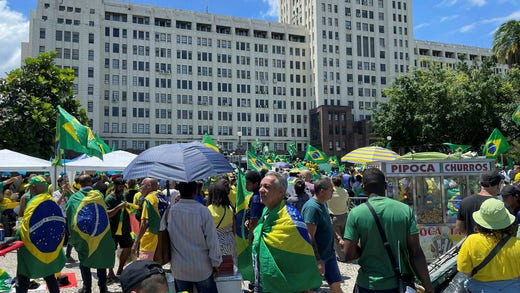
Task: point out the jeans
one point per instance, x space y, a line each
204 286
87 277
506 286
23 282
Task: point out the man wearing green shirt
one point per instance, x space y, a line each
363 240
119 225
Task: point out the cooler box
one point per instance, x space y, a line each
229 283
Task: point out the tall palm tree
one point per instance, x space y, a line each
506 43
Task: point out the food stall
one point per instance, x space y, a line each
434 189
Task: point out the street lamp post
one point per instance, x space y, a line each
388 142
239 146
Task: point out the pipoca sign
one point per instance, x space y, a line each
437 168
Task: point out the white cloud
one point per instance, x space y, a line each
14 29
447 3
272 12
449 17
478 3
420 26
513 15
467 28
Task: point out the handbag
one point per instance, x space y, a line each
162 253
457 283
405 284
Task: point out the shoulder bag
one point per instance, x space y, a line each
457 283
405 286
162 253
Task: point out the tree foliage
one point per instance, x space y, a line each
29 97
506 43
462 105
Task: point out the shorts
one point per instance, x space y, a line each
332 274
124 241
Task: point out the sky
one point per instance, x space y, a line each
463 22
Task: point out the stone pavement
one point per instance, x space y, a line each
8 263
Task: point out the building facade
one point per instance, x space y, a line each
148 75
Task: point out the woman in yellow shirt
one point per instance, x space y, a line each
224 217
502 272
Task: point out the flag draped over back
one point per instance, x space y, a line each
284 251
458 148
72 135
243 248
90 229
516 115
256 163
42 231
495 145
207 141
315 155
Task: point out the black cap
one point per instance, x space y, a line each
490 178
510 190
138 271
119 181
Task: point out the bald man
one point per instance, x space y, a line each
154 206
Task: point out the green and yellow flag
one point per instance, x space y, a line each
105 149
256 163
292 149
207 141
4 285
244 260
283 248
457 148
42 231
495 145
516 115
90 229
72 135
315 155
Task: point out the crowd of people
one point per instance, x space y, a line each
296 235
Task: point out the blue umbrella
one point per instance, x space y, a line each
184 162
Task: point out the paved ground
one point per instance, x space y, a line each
8 263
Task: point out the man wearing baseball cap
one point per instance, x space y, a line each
143 276
42 231
490 183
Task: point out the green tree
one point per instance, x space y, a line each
506 43
29 97
433 105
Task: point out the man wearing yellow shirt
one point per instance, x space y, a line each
154 206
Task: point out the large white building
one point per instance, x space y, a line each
148 75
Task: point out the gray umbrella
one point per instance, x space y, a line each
184 162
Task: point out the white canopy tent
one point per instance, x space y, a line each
113 161
11 161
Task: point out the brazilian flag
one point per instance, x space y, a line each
284 252
90 229
314 155
495 145
244 261
42 231
256 163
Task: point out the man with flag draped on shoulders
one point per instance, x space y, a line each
154 206
90 234
42 231
283 257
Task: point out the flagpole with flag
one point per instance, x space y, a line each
495 145
207 141
72 135
315 155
